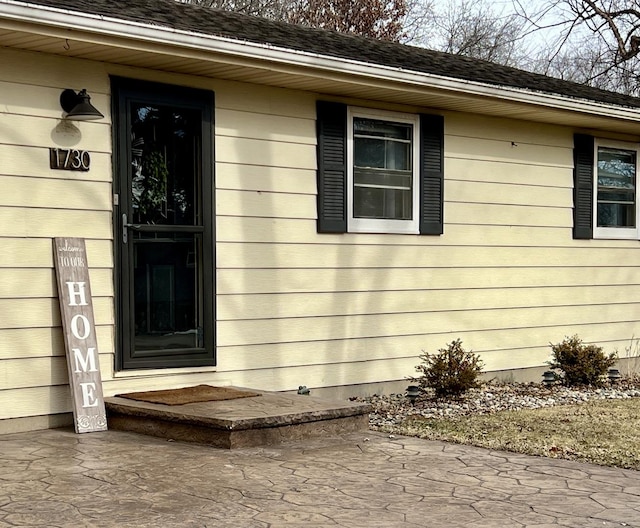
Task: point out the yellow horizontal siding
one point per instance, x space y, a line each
275 306
34 401
270 205
18 343
319 354
265 153
507 215
31 313
499 350
38 252
489 171
43 372
38 69
494 193
55 194
507 130
304 231
289 377
41 282
285 280
41 222
243 124
266 100
240 177
256 331
503 151
264 204
351 256
33 131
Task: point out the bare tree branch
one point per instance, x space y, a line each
595 42
380 19
474 28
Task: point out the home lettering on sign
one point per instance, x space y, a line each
78 326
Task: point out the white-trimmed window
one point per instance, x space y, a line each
615 197
382 180
390 165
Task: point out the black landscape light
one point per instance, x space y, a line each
614 375
548 377
413 391
78 106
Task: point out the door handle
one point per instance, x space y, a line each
125 228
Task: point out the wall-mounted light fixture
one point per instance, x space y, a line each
78 105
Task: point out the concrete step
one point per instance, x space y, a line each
268 419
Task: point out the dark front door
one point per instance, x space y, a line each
164 225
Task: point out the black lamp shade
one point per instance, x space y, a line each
78 106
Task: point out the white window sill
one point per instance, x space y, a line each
616 234
162 372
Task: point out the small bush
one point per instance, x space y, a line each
451 372
581 364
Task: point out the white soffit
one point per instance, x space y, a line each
85 36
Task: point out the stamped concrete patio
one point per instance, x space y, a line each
55 478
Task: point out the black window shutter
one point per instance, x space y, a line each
431 174
583 186
332 167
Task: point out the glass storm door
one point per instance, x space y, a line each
164 231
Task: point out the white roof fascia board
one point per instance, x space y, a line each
131 30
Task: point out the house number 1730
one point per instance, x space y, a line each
69 159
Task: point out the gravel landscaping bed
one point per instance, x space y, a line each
391 410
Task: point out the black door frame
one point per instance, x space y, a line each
125 92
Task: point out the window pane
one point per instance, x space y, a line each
377 127
369 152
398 156
168 275
382 203
382 144
164 143
616 215
616 188
382 175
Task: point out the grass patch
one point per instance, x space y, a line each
605 432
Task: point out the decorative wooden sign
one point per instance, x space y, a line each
74 291
69 159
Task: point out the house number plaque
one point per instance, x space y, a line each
69 159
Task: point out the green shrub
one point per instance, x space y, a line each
451 372
581 364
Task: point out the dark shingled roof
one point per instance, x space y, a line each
207 21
